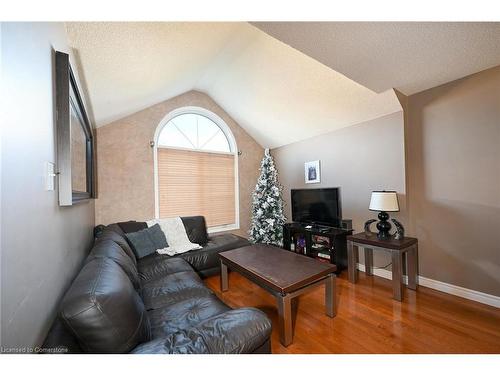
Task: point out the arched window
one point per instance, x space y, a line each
196 168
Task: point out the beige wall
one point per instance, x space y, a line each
454 178
125 161
452 163
361 158
42 244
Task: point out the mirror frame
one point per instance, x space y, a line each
67 90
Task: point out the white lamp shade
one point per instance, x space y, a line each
384 201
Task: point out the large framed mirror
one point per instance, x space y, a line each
75 138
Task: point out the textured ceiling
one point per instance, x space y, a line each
131 66
276 93
408 56
280 96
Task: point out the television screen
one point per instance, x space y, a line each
317 206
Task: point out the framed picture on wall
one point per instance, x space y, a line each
312 172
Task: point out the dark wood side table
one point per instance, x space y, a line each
406 247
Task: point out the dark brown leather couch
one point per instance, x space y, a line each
158 304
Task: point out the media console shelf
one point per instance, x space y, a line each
321 242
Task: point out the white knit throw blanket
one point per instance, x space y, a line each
175 232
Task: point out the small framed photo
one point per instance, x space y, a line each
312 172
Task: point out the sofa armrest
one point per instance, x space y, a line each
233 332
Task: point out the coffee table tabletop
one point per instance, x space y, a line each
284 274
281 270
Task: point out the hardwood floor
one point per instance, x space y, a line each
369 321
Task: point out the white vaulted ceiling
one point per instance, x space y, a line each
278 94
131 66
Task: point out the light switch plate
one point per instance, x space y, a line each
50 176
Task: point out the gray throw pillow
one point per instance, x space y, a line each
147 241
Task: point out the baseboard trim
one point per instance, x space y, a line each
473 295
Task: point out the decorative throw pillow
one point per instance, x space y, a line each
147 241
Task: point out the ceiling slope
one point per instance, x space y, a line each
276 93
280 96
408 56
129 66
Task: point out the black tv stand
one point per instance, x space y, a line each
315 227
334 249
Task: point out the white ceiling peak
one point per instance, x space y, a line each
281 96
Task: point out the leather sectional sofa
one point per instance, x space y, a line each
156 304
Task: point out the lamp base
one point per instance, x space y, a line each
383 226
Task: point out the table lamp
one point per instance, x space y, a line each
384 201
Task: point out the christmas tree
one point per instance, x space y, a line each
267 205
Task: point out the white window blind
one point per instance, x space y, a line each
197 183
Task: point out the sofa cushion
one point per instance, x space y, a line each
132 226
147 241
184 314
237 331
207 257
156 266
174 288
110 233
103 309
196 229
110 249
116 228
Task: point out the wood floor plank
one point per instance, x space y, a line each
369 321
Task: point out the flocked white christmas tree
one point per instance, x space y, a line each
267 205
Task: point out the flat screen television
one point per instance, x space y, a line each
317 206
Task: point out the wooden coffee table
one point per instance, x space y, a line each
282 273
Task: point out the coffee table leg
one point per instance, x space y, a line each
330 294
223 277
285 319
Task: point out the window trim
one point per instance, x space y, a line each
232 145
